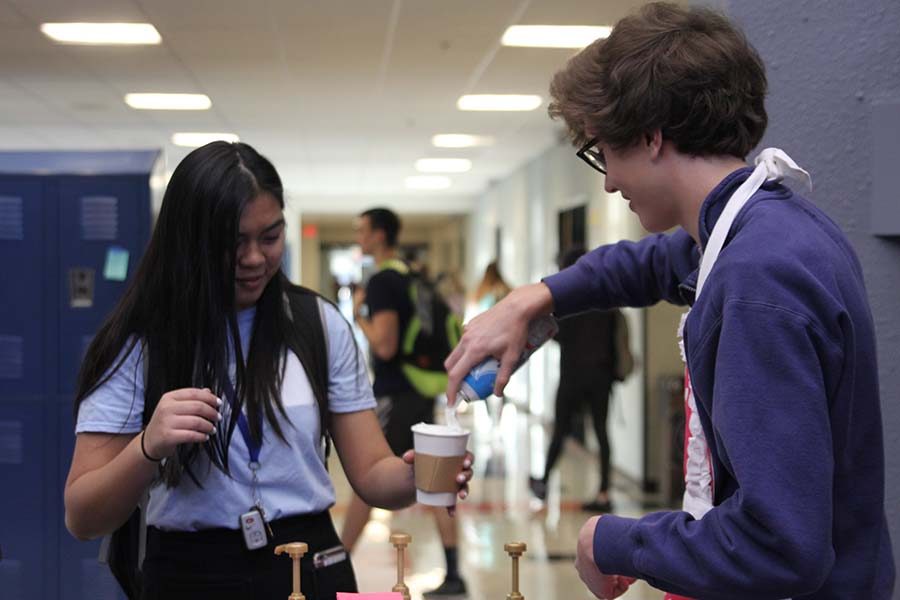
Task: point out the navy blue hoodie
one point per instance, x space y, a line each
781 352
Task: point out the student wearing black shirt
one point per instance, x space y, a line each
383 311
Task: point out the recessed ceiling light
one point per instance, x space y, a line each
193 139
428 182
553 36
168 101
102 33
460 140
443 165
499 102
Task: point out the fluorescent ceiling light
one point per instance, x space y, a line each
460 140
168 101
193 139
427 182
499 102
443 165
102 33
553 36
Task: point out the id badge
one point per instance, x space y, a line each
253 526
329 556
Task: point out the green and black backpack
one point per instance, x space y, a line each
431 334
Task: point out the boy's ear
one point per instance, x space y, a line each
654 141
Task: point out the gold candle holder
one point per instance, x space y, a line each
515 550
400 542
295 550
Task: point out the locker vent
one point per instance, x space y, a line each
12 579
12 220
12 356
97 583
11 442
99 218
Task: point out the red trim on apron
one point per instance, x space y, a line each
688 413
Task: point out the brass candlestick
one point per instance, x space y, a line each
295 550
400 542
515 550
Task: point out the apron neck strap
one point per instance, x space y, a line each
772 164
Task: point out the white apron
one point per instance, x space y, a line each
772 164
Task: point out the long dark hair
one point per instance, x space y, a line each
180 305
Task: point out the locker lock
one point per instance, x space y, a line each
81 287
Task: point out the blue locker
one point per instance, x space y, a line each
97 216
25 455
67 221
23 242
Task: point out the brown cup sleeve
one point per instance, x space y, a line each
437 474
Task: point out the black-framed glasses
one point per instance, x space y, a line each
593 155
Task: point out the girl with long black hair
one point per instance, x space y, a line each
209 388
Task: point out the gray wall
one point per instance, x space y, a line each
829 63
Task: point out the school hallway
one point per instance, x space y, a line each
439 113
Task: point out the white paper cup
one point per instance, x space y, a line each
438 441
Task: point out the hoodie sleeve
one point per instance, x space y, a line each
625 274
771 538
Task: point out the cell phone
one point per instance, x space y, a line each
254 529
329 556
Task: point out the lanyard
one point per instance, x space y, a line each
253 448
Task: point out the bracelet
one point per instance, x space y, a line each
144 450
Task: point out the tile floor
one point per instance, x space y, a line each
498 510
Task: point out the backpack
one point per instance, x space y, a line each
123 550
431 334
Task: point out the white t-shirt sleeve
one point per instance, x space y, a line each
116 406
349 389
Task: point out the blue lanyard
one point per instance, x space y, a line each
252 446
254 449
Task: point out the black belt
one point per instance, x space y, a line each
316 530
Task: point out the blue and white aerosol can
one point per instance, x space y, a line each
479 383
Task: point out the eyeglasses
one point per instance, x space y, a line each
593 155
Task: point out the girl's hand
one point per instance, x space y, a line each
182 416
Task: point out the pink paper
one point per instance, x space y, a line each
375 596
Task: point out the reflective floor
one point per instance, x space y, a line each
499 509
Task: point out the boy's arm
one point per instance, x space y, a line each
625 274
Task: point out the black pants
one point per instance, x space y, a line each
214 563
573 394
